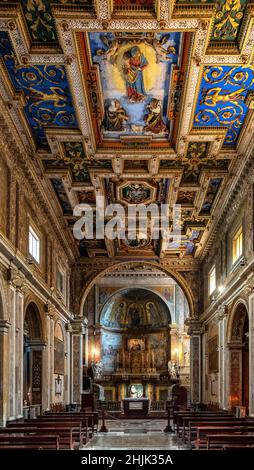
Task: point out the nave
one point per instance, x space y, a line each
135 434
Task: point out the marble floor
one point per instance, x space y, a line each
135 434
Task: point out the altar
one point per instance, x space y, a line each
134 407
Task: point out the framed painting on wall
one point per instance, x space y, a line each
213 356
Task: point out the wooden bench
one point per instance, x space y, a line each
203 414
74 428
217 441
202 432
69 438
93 416
178 414
185 422
192 425
31 442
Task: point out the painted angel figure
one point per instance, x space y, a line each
163 49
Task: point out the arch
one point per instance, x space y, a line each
121 289
240 305
39 308
238 344
32 322
32 354
176 276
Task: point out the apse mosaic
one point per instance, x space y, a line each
46 89
221 99
135 75
135 308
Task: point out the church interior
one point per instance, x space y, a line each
134 341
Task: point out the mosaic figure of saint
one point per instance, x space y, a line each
133 65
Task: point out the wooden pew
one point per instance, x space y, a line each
92 416
217 441
185 421
85 422
74 428
202 432
69 438
29 442
201 414
178 414
191 425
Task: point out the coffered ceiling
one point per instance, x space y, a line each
135 101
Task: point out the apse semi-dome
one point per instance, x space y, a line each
133 309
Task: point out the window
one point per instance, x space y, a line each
212 280
60 281
237 250
34 244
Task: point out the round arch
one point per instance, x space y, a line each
238 344
38 305
235 310
176 276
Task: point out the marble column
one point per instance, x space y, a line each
11 401
19 354
195 331
204 368
67 396
4 372
223 359
77 328
251 355
46 367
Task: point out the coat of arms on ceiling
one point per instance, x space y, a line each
135 193
136 75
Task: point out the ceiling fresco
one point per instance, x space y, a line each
221 99
135 101
139 77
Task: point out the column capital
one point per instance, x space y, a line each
195 327
16 278
77 326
